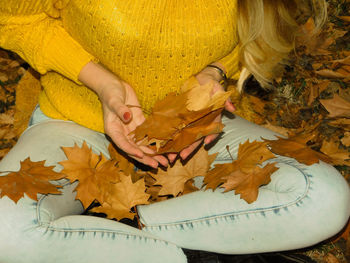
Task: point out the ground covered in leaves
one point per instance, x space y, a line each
312 96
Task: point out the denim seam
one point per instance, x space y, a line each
285 160
48 227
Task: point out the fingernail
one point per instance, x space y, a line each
126 116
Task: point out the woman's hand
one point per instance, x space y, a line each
208 74
121 112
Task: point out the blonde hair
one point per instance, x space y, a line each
267 31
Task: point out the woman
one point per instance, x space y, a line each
150 48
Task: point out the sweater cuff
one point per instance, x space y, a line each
231 63
65 55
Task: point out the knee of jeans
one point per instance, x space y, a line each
330 199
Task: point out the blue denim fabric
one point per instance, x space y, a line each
301 206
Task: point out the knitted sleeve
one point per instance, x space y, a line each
231 63
34 31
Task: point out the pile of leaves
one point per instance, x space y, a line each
11 71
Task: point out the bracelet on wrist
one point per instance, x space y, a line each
221 72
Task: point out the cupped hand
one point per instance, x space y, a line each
205 76
121 112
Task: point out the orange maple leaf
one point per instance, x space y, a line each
247 184
179 120
32 179
123 196
337 106
296 148
244 174
338 156
94 173
174 179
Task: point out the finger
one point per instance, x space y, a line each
124 144
187 151
229 105
159 158
162 160
172 157
147 160
208 139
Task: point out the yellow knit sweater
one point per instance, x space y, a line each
154 45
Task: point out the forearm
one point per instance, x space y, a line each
97 78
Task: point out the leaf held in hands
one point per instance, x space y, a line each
32 179
179 120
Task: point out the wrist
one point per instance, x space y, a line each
97 78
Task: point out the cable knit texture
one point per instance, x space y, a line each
153 45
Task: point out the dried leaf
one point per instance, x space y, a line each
346 139
338 156
92 171
32 179
243 175
345 61
330 258
124 196
337 106
173 180
296 148
247 184
172 127
345 18
327 73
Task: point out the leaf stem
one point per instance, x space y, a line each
140 225
228 150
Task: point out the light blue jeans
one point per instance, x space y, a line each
301 206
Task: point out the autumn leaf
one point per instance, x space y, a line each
244 174
91 170
179 120
296 148
327 73
123 163
338 156
124 196
337 106
32 179
346 139
200 97
247 184
174 179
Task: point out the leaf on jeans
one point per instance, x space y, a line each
175 178
123 197
243 175
172 126
296 148
32 179
247 183
94 173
